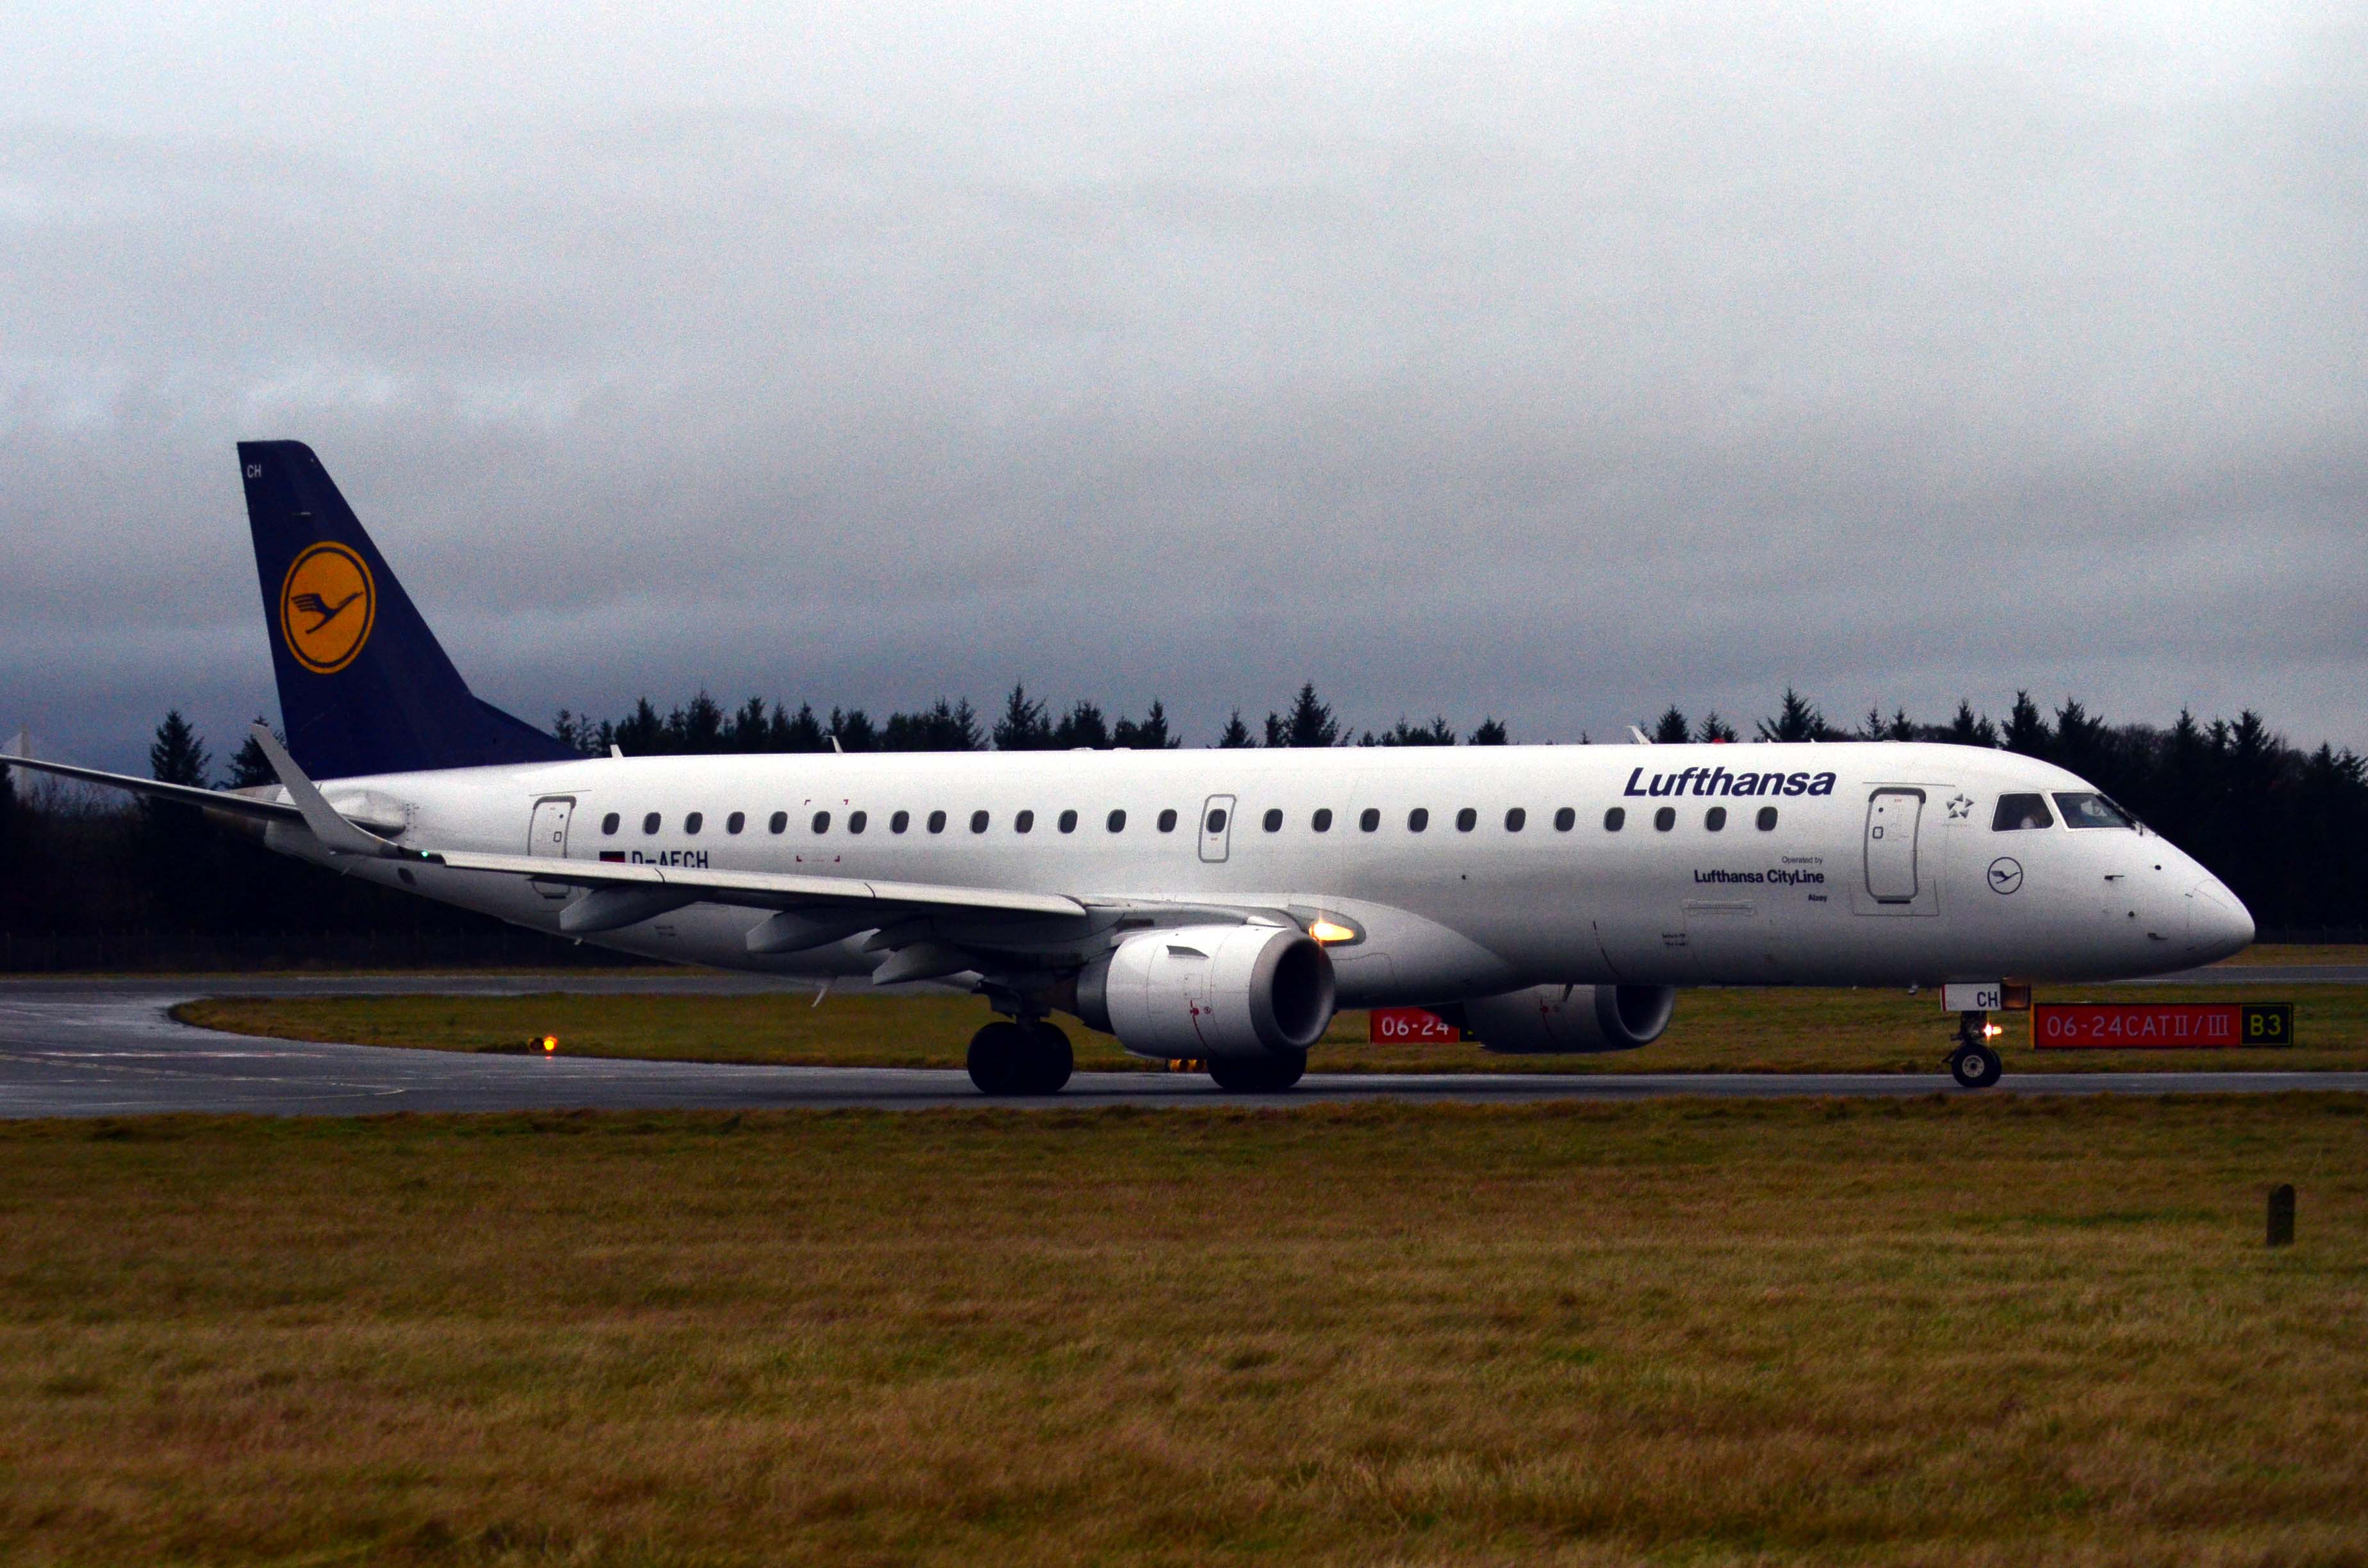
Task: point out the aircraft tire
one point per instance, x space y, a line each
1259 1074
1050 1060
999 1059
1976 1067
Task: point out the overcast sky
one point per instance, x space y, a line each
1543 361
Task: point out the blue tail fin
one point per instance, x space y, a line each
363 686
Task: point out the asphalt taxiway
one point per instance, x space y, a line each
109 1048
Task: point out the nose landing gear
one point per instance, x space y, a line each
1974 1063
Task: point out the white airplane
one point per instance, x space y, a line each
1211 905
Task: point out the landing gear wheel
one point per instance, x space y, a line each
1007 1059
1257 1074
1975 1066
1050 1060
999 1056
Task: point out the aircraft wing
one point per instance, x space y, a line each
190 794
761 890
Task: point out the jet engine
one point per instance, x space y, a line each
1210 992
1571 1018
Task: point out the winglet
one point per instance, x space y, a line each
341 835
23 744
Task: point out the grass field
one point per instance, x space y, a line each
1980 1332
1776 1031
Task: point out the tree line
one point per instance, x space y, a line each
91 882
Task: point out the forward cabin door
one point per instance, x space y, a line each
1892 819
546 836
1216 828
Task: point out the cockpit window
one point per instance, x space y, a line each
2092 811
2016 811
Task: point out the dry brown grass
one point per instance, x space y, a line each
1966 1332
1778 1030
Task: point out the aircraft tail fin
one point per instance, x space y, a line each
364 686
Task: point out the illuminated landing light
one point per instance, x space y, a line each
1331 931
550 1044
1991 1031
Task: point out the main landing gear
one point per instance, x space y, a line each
1027 1057
1975 1063
1259 1074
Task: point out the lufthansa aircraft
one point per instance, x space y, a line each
1215 905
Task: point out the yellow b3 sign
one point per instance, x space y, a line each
2266 1023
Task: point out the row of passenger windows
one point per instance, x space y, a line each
1368 821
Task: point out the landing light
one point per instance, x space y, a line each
1330 931
550 1044
1991 1031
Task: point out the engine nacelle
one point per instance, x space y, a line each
1210 991
1571 1020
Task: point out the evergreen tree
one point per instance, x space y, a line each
1438 732
1492 733
1309 723
799 732
2026 729
1236 734
941 726
1965 729
641 733
1671 729
1023 726
249 766
748 729
853 729
1151 734
1795 720
697 728
1082 725
177 755
1714 729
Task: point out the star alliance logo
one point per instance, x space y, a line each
1960 807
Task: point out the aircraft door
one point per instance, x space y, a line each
1892 819
1216 828
547 835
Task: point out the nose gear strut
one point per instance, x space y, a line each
1974 1062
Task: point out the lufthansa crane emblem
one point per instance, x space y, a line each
327 605
2006 874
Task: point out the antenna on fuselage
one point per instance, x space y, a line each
1639 736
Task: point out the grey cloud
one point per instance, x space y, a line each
1554 370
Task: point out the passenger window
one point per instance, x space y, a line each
856 821
900 822
1168 820
736 821
1024 823
779 823
2016 812
1567 818
1666 818
978 822
1274 820
1613 820
1715 819
1117 822
1466 820
1368 819
691 824
1767 819
936 822
650 822
822 822
1418 819
609 824
1516 819
1068 822
2092 811
1322 821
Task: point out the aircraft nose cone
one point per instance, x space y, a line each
2217 921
